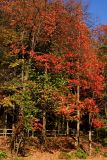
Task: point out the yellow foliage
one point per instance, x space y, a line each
6 102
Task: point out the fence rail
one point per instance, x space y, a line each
49 133
6 132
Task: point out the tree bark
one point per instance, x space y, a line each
105 110
59 125
63 123
44 126
90 136
5 122
78 117
13 125
67 127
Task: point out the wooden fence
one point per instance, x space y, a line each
6 132
49 133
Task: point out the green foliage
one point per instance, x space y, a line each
105 154
18 158
7 36
6 102
44 92
16 63
104 142
101 135
97 149
67 156
3 155
24 83
59 80
81 154
73 155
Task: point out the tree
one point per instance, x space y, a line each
55 62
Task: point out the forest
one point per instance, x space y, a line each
53 79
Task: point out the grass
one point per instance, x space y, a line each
3 155
73 155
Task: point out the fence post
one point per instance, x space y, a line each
5 123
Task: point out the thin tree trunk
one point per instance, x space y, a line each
105 110
63 123
21 114
13 126
23 73
67 127
90 136
44 126
5 122
78 117
26 77
44 109
59 125
78 126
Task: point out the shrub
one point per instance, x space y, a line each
18 158
81 154
97 149
105 142
64 155
3 155
67 156
105 154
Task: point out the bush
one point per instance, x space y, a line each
81 154
18 158
73 155
97 149
3 155
67 156
105 154
101 134
64 155
105 142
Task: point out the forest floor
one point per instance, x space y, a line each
57 149
37 155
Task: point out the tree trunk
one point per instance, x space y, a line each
59 125
67 127
23 86
63 124
90 136
5 122
78 117
27 66
44 126
105 110
78 126
13 126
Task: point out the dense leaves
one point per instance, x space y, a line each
50 63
